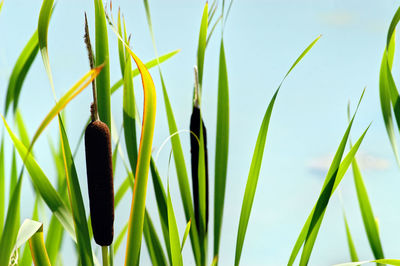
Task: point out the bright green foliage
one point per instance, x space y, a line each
173 234
352 248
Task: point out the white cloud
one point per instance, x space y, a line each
365 161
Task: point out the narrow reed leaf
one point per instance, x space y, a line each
382 261
185 235
153 243
256 164
136 218
179 159
201 47
22 131
20 71
173 234
38 249
14 174
2 186
367 214
150 64
43 26
26 256
352 248
102 58
27 230
55 233
64 100
117 243
11 224
43 185
121 53
392 27
76 200
252 179
129 112
221 147
123 188
1 4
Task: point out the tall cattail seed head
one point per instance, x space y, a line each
100 181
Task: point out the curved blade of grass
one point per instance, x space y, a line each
43 185
382 261
352 248
38 249
135 227
179 159
64 100
20 71
221 148
129 112
26 231
150 64
54 239
22 131
367 213
76 201
387 86
11 225
43 26
2 185
185 235
26 256
153 242
102 58
173 234
255 166
120 238
201 47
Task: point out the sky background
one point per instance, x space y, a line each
262 40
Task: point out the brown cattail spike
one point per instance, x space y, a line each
100 181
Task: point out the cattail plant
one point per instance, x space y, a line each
196 122
99 169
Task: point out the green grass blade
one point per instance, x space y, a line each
179 159
20 71
135 227
185 235
43 185
173 234
102 57
26 256
153 242
120 238
22 131
64 100
11 225
202 185
392 27
255 167
76 201
352 248
221 148
1 4
150 64
121 49
2 185
14 174
382 261
367 213
43 26
129 112
54 239
38 249
201 47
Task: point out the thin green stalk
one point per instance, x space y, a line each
104 254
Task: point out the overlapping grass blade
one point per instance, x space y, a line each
121 53
20 71
255 166
394 262
150 64
120 238
388 93
129 113
14 174
22 131
54 238
221 148
43 26
65 99
153 243
201 47
11 225
102 58
202 183
43 185
352 248
26 256
173 234
179 159
185 235
76 201
2 185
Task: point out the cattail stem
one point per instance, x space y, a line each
104 253
93 108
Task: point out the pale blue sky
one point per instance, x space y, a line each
262 39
